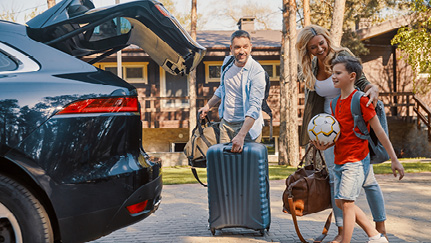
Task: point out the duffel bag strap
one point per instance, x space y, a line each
195 173
298 232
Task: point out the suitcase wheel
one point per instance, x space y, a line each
262 232
213 231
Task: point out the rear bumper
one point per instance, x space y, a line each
95 224
151 192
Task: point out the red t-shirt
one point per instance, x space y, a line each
348 147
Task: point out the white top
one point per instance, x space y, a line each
233 106
326 89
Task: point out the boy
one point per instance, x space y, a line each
352 159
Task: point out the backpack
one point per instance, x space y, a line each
204 135
378 153
265 106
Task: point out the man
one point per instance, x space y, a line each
241 91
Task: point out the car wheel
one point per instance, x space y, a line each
22 217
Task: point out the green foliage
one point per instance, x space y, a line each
409 167
183 174
373 11
415 41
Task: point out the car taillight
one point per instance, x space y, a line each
138 207
103 105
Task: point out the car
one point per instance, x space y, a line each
72 165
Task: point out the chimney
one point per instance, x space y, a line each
246 23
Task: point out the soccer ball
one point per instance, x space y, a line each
324 128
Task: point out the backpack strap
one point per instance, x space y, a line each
265 106
358 119
227 63
334 104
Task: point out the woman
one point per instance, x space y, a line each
316 50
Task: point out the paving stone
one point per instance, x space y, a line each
183 217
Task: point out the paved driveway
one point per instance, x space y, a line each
183 216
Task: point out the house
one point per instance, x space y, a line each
164 97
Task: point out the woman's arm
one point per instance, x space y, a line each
372 91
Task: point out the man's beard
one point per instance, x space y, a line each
238 61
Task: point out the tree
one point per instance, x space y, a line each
192 75
235 10
375 11
12 14
306 6
415 41
337 21
183 18
51 3
288 140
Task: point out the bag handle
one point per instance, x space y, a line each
290 200
316 151
298 232
195 173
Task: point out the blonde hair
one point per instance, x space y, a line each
305 57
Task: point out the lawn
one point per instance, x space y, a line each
183 175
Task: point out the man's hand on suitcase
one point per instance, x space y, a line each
237 143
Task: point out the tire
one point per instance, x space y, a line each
22 217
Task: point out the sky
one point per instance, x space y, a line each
205 7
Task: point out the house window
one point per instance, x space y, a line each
174 86
272 68
132 72
212 71
178 147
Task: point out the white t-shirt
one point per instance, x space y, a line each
233 103
326 89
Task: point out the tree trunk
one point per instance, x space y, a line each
292 112
337 21
307 19
51 3
192 75
288 140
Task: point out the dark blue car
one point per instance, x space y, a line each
72 166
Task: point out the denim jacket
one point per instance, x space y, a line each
253 92
314 103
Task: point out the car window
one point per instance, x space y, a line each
109 29
6 62
14 61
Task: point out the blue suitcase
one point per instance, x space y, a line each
238 187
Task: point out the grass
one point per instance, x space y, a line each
183 174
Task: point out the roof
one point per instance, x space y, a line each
259 38
384 27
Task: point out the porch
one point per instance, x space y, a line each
166 130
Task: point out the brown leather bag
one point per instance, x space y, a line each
308 191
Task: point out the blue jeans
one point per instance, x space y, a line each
372 191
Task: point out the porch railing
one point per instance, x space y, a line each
424 114
157 113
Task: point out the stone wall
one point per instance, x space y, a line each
407 140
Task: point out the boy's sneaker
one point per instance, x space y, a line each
378 239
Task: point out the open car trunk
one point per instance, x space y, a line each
79 29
